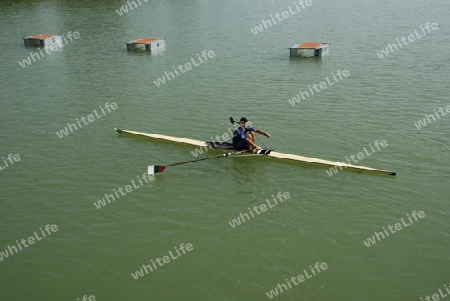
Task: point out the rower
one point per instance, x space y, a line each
244 136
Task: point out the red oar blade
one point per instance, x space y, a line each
154 169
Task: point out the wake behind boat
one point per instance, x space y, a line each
265 152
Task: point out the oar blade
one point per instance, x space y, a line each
154 169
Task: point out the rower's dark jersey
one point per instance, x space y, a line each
240 137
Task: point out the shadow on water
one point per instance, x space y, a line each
307 60
246 177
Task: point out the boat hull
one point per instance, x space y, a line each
272 154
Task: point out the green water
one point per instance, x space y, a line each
326 219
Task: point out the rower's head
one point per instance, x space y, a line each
243 122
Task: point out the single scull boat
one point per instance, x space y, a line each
269 153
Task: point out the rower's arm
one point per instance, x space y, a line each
263 133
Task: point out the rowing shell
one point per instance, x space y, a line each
226 145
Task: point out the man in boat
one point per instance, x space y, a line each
244 136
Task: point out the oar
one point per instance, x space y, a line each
153 169
234 121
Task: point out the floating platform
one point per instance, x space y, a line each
309 49
42 40
146 44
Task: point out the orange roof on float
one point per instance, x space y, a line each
42 36
145 41
310 45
